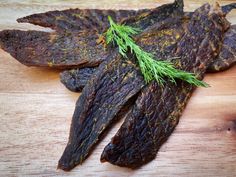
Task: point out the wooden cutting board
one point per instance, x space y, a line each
36 111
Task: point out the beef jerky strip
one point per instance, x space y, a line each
37 48
157 15
70 50
227 8
98 106
85 19
158 109
48 53
227 56
76 79
75 20
62 50
102 98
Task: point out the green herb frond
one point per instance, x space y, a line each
151 69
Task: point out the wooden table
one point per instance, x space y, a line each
36 111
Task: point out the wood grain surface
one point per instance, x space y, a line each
36 111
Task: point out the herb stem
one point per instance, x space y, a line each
151 69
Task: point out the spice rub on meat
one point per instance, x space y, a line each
157 110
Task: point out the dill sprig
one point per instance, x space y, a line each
151 69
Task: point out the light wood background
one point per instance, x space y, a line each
36 111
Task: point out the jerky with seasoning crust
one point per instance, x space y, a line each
41 54
157 110
76 79
227 56
70 49
104 96
74 20
227 8
55 50
106 93
160 37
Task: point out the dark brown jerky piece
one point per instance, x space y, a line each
106 93
227 56
74 20
227 8
225 60
76 79
102 98
54 50
157 110
68 50
158 38
156 15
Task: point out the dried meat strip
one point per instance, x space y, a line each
157 38
54 50
72 49
227 56
103 98
47 53
227 8
157 110
76 79
157 15
106 93
74 20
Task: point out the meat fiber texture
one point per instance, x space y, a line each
76 151
209 36
116 82
76 79
227 56
117 88
157 110
73 45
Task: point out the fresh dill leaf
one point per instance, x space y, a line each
151 69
